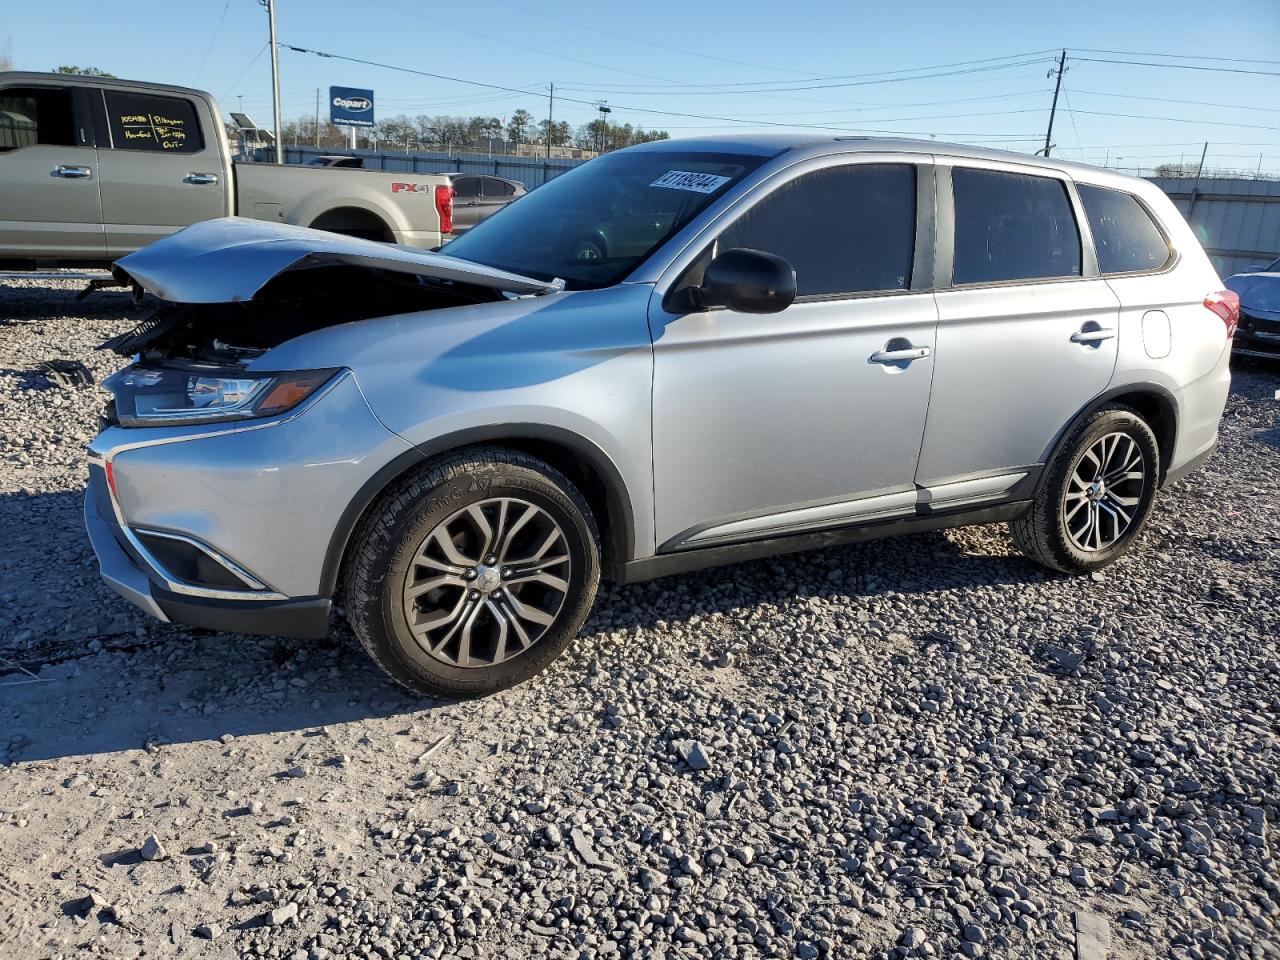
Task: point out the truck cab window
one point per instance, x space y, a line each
141 121
32 115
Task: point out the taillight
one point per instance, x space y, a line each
444 207
1226 304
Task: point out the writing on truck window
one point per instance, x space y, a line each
159 124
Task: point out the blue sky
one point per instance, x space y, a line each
740 61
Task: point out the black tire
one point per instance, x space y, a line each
1046 535
387 546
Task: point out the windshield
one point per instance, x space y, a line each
595 224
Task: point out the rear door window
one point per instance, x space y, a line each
1010 226
141 121
35 115
1126 238
498 188
845 230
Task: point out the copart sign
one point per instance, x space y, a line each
350 107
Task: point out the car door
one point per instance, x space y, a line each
1026 328
164 168
48 168
466 203
811 417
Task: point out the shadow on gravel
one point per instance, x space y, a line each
145 682
26 305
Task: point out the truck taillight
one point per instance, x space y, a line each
1226 304
444 207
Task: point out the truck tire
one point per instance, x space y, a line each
473 573
1096 496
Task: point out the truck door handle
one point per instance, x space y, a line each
902 355
68 172
1093 334
200 178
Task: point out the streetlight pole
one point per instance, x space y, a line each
275 77
551 103
604 108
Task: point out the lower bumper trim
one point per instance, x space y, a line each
305 618
1195 463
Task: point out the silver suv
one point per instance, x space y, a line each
683 354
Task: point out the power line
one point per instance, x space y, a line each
1180 66
816 83
847 76
212 40
519 46
647 43
1198 103
249 67
1172 56
1139 116
632 108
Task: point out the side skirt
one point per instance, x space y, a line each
682 561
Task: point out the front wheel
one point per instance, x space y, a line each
1096 496
474 573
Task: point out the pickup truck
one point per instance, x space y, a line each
94 168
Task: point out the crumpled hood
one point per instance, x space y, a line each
230 259
1259 293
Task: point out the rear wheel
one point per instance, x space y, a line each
474 573
1097 494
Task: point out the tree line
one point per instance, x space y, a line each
474 133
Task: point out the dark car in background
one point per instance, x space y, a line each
478 196
348 163
1259 290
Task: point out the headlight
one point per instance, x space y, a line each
166 396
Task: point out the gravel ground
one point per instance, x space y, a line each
920 747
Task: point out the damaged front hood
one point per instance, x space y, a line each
1259 293
229 260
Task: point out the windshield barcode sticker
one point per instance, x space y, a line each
694 182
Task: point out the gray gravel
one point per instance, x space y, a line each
920 747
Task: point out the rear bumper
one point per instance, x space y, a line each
130 575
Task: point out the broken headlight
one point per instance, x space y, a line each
174 396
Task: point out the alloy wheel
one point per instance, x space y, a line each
1104 492
487 583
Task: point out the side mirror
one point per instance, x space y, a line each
1255 268
749 281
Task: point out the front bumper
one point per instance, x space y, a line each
131 575
236 527
1257 337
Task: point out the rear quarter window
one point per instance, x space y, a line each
1125 236
154 124
1011 226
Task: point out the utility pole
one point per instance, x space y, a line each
275 76
1057 87
1191 204
317 116
551 103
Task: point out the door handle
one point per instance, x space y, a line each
200 178
69 172
1094 335
904 355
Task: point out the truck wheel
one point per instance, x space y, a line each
473 573
1097 494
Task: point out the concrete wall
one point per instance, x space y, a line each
1238 221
